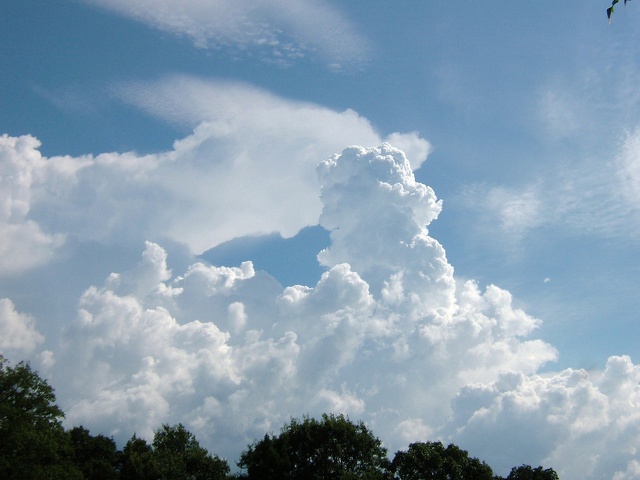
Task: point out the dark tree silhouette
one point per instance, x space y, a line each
526 472
431 460
96 457
332 447
137 461
178 455
33 443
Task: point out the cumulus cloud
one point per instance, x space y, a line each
23 242
248 168
280 31
44 199
18 332
387 334
585 424
392 222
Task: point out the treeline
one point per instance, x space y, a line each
34 445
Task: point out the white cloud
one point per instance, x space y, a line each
415 148
248 168
600 197
585 425
561 113
281 31
387 334
392 222
632 472
628 164
44 199
518 210
18 333
23 243
581 105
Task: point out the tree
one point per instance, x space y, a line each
267 459
431 460
178 455
137 461
611 8
526 472
34 444
333 447
174 454
96 457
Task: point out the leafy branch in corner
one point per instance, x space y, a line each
611 8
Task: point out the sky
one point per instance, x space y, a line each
424 215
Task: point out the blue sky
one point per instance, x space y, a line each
198 127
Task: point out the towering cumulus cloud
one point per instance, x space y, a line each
388 335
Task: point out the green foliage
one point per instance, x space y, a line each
431 460
137 461
96 457
526 472
611 8
175 454
267 459
34 444
178 455
333 447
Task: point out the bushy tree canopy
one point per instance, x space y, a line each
34 444
332 447
95 456
137 461
178 456
526 472
432 461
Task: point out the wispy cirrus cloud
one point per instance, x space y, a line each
279 31
598 197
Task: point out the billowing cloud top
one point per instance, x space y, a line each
391 223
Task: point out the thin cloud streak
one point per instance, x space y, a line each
278 31
598 198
